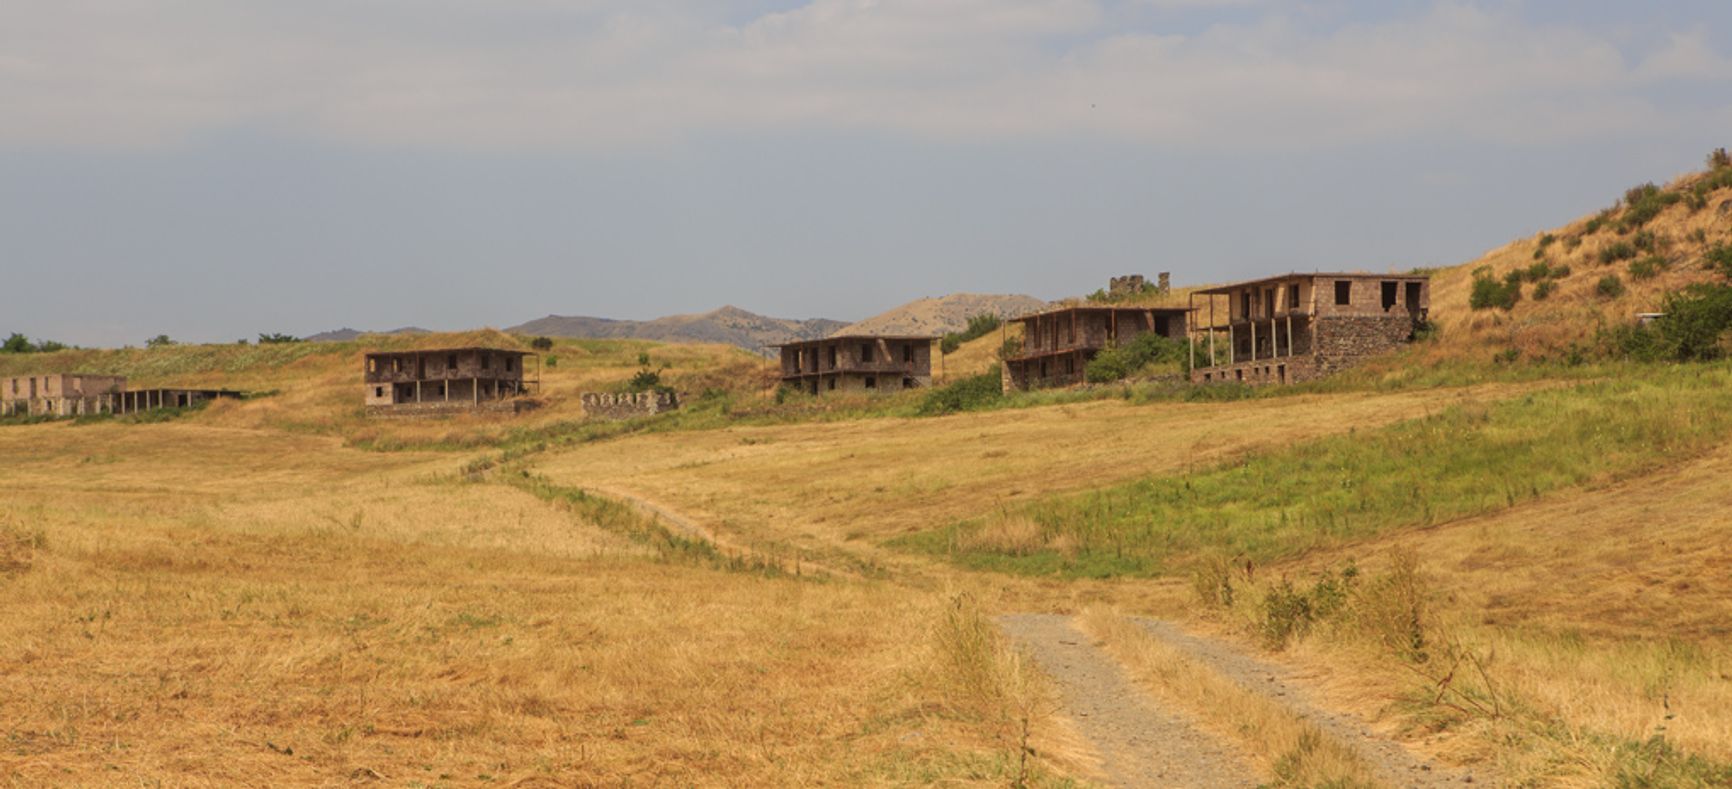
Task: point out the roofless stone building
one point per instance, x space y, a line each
1299 327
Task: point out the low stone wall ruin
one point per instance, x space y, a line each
607 405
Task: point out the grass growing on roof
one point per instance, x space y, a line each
1465 460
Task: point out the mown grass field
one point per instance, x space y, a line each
218 605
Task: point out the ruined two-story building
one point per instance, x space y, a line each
857 363
1299 327
445 380
1058 344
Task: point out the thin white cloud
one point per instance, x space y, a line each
607 72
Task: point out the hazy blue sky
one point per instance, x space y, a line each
218 168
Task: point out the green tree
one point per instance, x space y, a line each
159 341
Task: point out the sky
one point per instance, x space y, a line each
215 169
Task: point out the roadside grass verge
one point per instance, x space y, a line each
1465 460
1289 749
1552 708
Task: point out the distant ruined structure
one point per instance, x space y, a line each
608 405
858 363
1300 327
447 380
1135 284
72 394
61 394
1057 344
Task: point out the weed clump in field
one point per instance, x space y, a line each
18 548
973 393
985 679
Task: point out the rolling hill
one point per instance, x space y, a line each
729 325
938 316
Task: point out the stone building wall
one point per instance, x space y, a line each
608 405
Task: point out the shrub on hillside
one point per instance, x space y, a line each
1648 267
1695 326
966 394
1719 159
1117 364
1719 259
1545 241
1489 291
1609 287
1544 290
277 339
541 344
1643 203
1617 251
978 326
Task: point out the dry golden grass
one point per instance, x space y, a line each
842 487
215 606
1288 750
977 355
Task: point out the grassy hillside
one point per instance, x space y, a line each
1652 241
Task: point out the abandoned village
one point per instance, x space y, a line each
1277 330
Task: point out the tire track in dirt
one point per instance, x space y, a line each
1140 742
1393 764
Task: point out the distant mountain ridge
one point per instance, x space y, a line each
345 334
729 325
940 316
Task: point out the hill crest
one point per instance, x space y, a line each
942 315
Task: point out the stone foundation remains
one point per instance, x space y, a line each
606 405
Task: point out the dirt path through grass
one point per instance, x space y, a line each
1140 743
1392 764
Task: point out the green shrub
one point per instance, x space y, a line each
1648 267
966 394
1545 241
1617 251
1645 241
541 344
978 326
18 343
1544 290
1600 221
1011 347
1719 159
277 339
1719 259
1695 323
1699 235
1489 292
1117 364
1643 203
1609 287
1538 272
1560 271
